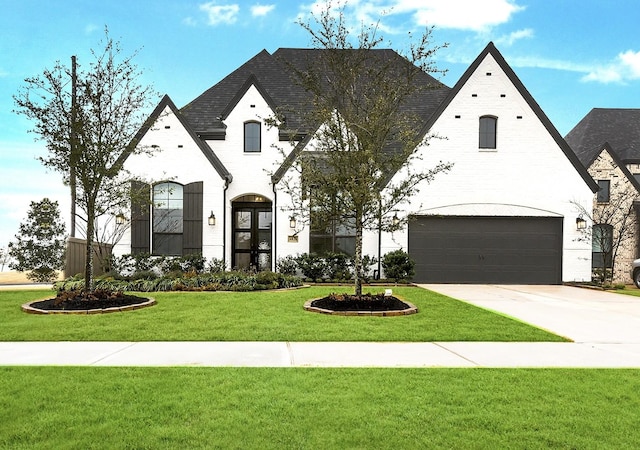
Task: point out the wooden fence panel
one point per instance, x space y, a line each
75 257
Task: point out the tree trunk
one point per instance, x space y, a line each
357 259
88 266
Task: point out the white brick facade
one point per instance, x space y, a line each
528 174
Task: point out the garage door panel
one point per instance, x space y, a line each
525 250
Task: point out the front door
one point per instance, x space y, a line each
252 236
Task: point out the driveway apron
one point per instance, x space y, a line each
580 314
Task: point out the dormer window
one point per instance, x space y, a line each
252 137
488 132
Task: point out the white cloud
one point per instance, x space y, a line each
511 38
261 10
472 15
462 14
626 67
219 14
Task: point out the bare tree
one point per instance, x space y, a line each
362 163
612 225
89 134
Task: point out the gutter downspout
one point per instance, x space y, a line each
224 222
274 228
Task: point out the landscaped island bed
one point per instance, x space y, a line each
263 316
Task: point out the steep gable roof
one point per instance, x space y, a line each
202 145
619 127
207 112
490 49
621 165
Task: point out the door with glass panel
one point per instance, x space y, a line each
252 228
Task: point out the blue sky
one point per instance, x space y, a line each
572 55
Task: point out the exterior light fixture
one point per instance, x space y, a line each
581 224
395 221
292 221
120 219
212 219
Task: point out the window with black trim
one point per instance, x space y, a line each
167 219
330 233
602 245
604 192
252 137
488 132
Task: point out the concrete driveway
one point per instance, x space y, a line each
580 314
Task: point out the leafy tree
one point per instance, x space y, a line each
365 134
40 243
89 128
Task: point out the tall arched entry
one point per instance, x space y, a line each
252 233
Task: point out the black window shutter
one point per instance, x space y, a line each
140 218
192 219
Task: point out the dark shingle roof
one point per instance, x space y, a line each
619 127
273 76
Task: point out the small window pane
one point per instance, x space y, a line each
243 240
604 191
167 244
264 220
243 220
252 137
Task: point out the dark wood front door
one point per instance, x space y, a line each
252 236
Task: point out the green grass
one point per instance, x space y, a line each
263 316
168 408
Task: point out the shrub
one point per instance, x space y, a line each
398 265
221 281
216 265
287 265
338 266
312 266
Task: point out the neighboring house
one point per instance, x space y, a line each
504 213
607 142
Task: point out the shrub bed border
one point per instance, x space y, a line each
32 310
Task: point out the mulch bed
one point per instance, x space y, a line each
367 304
98 302
79 303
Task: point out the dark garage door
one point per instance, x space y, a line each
506 250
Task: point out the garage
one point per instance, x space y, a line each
500 250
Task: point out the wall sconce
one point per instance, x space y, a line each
292 222
581 224
212 219
120 219
395 221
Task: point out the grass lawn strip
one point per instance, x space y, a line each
198 408
264 316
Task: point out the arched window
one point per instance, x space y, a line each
252 137
167 219
488 131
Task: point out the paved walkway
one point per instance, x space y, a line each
604 326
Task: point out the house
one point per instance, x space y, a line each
505 212
607 142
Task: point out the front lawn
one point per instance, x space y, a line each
263 316
239 408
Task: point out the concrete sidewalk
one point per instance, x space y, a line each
321 354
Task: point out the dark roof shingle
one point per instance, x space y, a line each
619 127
